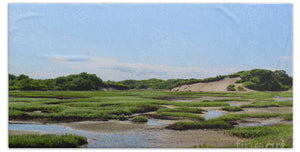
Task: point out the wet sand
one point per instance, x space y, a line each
105 127
164 138
24 132
266 110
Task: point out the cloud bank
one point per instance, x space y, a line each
112 69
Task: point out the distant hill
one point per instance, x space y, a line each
256 79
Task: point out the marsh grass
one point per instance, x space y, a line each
182 115
268 104
288 117
46 141
200 104
234 117
140 119
224 100
206 124
232 108
182 109
265 136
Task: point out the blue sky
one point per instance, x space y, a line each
142 41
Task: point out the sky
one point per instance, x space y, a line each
143 41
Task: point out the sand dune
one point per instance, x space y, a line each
216 86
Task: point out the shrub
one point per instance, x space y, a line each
240 88
238 81
231 87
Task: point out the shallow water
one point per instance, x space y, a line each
95 140
236 104
278 99
255 124
154 122
182 100
151 122
214 114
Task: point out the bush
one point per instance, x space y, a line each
259 79
238 81
240 88
231 87
140 119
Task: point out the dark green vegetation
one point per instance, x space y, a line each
140 119
234 117
46 141
206 124
265 136
240 88
182 115
182 109
232 108
82 81
259 79
183 112
256 79
231 87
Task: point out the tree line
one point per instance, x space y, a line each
257 79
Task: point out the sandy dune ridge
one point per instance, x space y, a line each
215 86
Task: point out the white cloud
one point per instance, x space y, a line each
286 57
67 58
58 59
29 15
112 69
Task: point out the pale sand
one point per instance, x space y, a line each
23 132
216 86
